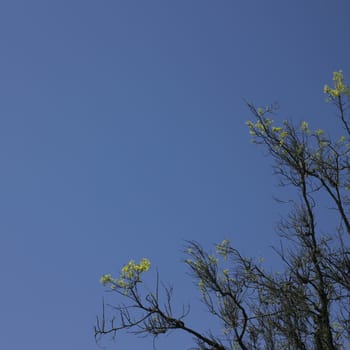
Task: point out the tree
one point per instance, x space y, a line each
307 305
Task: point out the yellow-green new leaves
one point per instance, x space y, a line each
319 132
340 87
105 279
286 140
264 128
342 139
223 248
130 275
130 270
260 127
305 127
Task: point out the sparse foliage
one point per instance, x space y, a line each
307 305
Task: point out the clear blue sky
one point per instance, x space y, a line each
122 134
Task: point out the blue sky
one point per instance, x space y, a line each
122 134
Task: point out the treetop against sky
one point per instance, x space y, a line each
122 135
